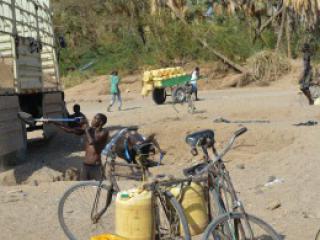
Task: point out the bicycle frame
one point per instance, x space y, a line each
215 169
114 188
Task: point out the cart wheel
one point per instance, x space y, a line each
159 95
179 95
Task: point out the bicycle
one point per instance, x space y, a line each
170 208
232 222
141 163
93 200
189 100
318 235
184 95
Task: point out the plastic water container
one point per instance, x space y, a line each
194 206
107 237
134 215
147 76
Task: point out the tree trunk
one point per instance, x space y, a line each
267 23
177 11
283 19
288 33
153 7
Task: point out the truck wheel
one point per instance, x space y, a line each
159 95
21 154
17 157
179 95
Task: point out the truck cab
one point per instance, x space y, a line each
29 74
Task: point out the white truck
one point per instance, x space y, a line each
29 74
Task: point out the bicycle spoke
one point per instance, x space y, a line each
77 209
236 228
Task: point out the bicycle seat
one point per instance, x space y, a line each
196 138
194 170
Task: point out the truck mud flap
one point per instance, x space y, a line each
13 138
53 107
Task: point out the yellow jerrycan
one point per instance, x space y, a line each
134 215
107 236
194 206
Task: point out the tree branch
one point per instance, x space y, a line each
268 22
204 43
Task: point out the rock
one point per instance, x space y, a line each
128 90
274 205
241 166
273 181
72 174
305 215
14 191
309 215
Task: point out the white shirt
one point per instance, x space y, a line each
194 78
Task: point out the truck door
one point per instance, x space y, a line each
53 107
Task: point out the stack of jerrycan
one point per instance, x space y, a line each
192 199
134 215
153 78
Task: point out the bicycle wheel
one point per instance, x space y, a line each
191 107
234 226
77 206
318 236
170 220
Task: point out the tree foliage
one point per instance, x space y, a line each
135 34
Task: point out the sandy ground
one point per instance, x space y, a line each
29 197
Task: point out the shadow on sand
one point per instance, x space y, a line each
60 153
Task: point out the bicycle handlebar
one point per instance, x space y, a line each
108 147
240 131
225 150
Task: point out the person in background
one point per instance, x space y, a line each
306 78
77 114
194 78
115 91
209 12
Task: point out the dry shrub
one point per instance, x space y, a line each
268 66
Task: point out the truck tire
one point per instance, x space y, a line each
21 154
179 95
17 157
159 95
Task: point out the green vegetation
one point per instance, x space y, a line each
131 35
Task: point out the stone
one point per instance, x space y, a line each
241 166
274 205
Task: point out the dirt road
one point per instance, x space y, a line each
268 151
